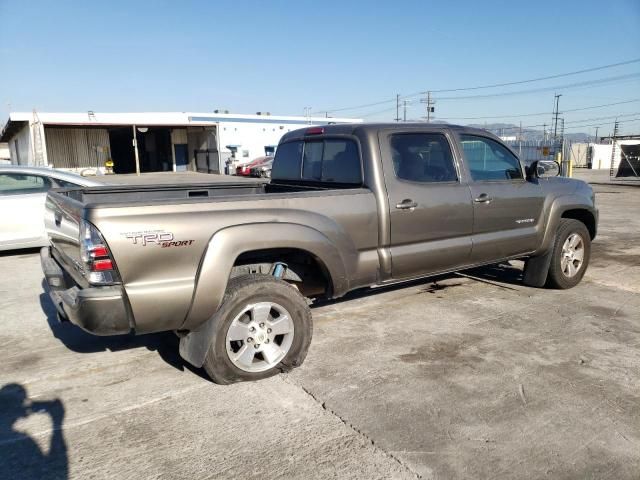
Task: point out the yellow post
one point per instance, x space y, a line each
559 161
570 167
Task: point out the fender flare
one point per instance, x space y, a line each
229 243
558 207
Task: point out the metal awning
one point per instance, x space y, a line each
11 128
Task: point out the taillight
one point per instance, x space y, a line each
94 252
314 131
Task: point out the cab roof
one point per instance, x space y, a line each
372 128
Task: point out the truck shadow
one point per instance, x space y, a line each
505 272
500 275
166 344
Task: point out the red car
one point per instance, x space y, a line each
245 169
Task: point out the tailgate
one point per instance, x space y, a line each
62 222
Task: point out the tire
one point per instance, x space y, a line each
227 361
561 274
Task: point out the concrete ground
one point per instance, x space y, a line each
472 376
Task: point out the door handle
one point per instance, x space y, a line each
406 204
483 198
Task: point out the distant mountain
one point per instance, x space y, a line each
511 130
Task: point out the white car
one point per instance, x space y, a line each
23 191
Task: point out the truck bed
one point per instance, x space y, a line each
145 194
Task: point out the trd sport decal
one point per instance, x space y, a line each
179 243
156 237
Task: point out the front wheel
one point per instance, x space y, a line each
570 256
262 328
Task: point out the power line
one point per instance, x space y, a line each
519 82
541 113
586 83
605 118
606 123
549 77
377 112
358 107
496 116
605 105
570 123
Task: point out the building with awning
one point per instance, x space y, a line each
149 141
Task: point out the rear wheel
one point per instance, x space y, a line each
262 328
571 253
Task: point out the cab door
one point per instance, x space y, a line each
430 210
507 209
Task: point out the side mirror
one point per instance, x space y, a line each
544 168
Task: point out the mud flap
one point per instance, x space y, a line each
194 345
536 269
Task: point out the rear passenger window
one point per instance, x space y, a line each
330 160
489 160
287 163
423 157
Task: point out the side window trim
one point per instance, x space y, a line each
490 180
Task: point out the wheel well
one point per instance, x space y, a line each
304 270
583 216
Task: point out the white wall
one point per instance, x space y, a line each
4 151
20 147
601 154
252 138
578 154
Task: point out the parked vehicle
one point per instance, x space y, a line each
23 191
262 170
246 169
228 266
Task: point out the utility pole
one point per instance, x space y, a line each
404 103
555 114
429 106
597 134
398 107
544 132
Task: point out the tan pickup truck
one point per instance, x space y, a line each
231 266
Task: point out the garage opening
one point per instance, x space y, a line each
154 149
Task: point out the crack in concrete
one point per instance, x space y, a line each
285 378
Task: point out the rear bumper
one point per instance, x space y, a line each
98 310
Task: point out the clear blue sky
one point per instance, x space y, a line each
281 56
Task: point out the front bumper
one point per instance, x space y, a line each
98 310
